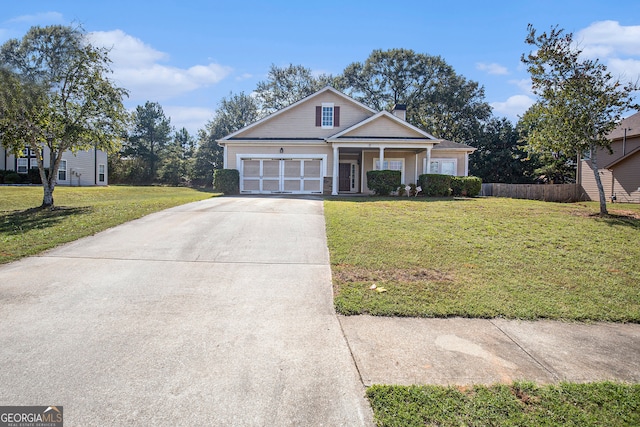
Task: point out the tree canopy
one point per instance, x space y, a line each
438 100
149 137
500 156
579 101
55 96
233 113
286 85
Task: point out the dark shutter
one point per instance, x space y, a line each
318 116
336 116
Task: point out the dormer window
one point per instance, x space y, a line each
327 116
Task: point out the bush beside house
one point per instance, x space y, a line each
469 186
227 181
437 185
383 182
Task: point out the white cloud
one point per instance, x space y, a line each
514 106
524 85
136 67
191 118
244 76
626 69
492 68
616 46
605 39
39 18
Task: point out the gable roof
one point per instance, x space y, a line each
295 104
412 131
450 145
631 123
623 158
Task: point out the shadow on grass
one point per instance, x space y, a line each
614 220
37 218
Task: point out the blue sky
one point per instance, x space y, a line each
187 55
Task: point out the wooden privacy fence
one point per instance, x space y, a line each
547 192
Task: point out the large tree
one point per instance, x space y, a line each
438 100
177 163
500 156
233 113
55 96
286 85
149 138
579 101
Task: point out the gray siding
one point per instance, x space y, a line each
82 167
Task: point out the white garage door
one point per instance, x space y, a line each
295 176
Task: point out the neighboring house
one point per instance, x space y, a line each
326 143
620 170
83 168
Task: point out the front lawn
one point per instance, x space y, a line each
519 404
484 257
80 211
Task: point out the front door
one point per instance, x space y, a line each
344 177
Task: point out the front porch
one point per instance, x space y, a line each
353 163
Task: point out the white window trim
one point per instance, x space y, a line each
333 115
103 173
389 159
441 159
24 167
62 168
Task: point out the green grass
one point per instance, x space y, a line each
519 404
26 230
485 258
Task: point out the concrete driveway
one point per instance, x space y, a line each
214 313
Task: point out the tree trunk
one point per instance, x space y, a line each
47 200
49 184
596 172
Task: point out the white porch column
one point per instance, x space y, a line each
429 159
466 164
416 170
334 178
224 157
381 158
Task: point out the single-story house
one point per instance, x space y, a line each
84 168
620 169
326 143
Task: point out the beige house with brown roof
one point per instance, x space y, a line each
326 143
619 170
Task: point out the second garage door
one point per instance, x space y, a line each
295 176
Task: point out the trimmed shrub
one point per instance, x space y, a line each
383 182
12 178
435 185
457 186
469 186
227 181
34 175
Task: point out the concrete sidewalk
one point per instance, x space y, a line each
459 351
